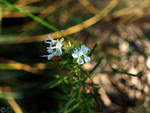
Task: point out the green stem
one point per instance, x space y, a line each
84 71
38 20
92 51
0 18
96 65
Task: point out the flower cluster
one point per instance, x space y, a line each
55 49
81 55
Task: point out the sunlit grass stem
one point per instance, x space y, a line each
0 18
38 20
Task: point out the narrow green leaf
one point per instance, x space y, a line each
65 89
129 73
92 51
69 43
71 100
38 20
67 68
87 105
0 18
50 62
73 107
84 71
59 81
96 65
30 15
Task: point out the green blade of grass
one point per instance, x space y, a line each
69 43
84 71
87 106
96 65
59 81
38 20
139 74
70 101
73 108
92 51
0 18
30 15
94 68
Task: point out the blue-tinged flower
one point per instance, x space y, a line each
54 50
85 50
51 41
49 50
57 47
77 54
49 57
58 52
81 55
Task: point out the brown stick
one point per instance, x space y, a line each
91 91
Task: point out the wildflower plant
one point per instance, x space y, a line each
75 96
57 49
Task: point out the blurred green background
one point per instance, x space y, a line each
122 28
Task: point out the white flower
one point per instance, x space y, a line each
58 52
53 49
57 48
85 50
77 54
51 41
49 50
49 57
58 45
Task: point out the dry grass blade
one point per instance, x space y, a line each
67 31
16 14
89 6
25 2
46 12
14 104
19 66
135 10
0 18
5 90
90 21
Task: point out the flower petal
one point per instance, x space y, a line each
85 49
44 56
58 52
74 55
87 58
58 44
51 41
49 57
80 61
49 50
80 53
75 51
